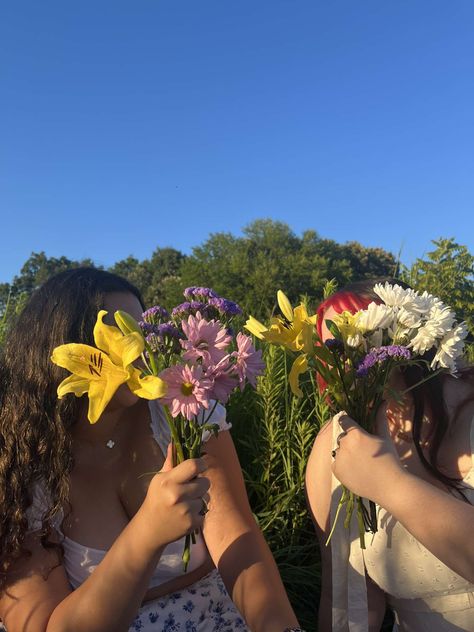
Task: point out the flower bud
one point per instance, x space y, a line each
126 323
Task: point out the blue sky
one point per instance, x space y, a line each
125 126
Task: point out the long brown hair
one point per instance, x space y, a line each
426 393
35 440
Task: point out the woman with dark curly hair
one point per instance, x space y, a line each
90 539
419 469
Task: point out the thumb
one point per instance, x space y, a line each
168 464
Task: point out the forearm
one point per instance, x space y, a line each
109 599
442 523
252 578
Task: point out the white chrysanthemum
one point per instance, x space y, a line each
356 340
450 348
408 319
441 319
425 339
392 295
375 317
423 303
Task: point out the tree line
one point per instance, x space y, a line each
251 267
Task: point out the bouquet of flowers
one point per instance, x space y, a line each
405 328
189 360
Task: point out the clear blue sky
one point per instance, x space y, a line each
125 126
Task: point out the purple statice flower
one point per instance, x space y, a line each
199 293
188 308
147 328
205 339
162 338
155 315
333 344
225 307
249 364
378 355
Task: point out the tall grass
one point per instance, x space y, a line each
274 433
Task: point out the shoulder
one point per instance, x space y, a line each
35 585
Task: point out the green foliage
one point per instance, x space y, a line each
274 433
269 256
157 278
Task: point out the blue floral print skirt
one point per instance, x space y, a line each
205 606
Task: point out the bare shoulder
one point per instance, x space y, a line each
35 585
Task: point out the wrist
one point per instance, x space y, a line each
392 492
147 529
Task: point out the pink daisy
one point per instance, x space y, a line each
223 382
188 390
249 363
205 339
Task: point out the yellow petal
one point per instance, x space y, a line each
301 315
100 394
147 387
129 348
304 340
104 335
300 365
86 362
73 384
285 306
255 327
123 350
89 366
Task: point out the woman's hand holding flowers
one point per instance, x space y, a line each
175 500
366 464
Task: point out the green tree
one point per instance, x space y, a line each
36 270
269 256
157 278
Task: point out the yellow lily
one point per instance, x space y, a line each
300 366
99 371
296 333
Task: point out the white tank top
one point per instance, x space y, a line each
80 560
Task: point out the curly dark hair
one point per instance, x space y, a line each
35 439
426 389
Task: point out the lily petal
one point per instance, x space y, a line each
123 350
73 384
285 306
147 387
255 327
86 362
300 365
100 394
